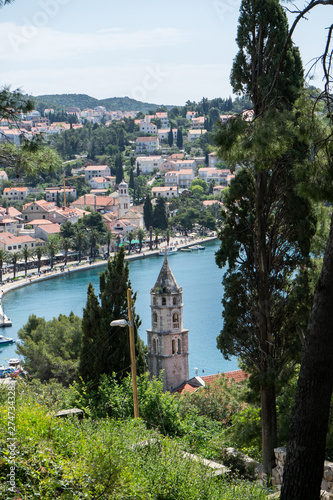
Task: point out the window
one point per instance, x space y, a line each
163 301
154 301
155 345
179 346
175 320
174 301
154 320
176 346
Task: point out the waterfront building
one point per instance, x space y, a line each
167 339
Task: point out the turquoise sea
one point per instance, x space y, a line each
196 272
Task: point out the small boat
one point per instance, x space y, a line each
14 362
168 250
6 341
186 249
4 320
198 247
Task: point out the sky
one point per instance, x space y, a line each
162 53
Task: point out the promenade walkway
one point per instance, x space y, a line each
75 266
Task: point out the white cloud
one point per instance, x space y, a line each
32 43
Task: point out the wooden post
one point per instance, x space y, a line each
132 351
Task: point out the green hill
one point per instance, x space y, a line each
63 101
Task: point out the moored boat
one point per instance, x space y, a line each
168 250
6 341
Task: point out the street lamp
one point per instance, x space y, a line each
122 323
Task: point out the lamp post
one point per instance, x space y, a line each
122 323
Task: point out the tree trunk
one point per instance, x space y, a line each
268 428
307 439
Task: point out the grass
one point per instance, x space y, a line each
100 459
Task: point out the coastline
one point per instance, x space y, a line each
75 266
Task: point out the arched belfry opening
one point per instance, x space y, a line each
167 338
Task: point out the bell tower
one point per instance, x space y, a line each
123 199
167 339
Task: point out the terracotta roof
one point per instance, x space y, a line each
190 386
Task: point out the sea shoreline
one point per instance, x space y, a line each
179 243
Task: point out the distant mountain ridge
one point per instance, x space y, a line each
83 101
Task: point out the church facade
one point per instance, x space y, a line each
168 348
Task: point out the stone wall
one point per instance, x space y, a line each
327 482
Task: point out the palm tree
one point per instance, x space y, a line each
94 237
80 240
26 253
151 237
168 234
13 259
157 233
130 237
109 237
39 252
52 248
66 245
3 258
140 235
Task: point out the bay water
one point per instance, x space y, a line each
196 272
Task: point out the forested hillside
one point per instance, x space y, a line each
83 101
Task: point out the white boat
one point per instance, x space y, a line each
4 320
6 341
168 250
198 247
14 362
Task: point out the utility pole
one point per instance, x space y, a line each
132 352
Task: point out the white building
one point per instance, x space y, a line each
165 192
96 171
147 127
147 164
147 144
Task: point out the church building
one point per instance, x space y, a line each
167 339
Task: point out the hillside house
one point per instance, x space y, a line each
96 171
44 231
54 193
147 144
147 164
165 192
15 194
11 243
96 203
40 209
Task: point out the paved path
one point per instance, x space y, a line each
75 266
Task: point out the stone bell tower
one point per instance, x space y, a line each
123 199
167 339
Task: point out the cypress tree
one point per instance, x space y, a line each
170 137
119 168
105 349
131 180
148 212
160 219
179 138
268 229
90 352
